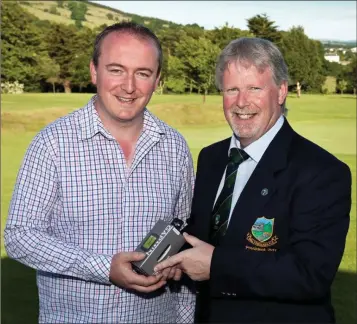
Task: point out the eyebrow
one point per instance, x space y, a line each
124 68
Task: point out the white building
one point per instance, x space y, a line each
332 58
354 50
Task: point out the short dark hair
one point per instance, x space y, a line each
131 28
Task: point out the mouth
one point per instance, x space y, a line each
125 100
244 116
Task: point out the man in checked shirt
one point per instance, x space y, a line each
93 183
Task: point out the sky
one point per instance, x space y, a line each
334 20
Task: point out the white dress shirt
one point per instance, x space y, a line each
255 151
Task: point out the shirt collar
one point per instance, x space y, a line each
91 124
258 147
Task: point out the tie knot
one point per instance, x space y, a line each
237 156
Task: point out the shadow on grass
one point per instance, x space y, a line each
19 302
339 96
330 96
344 297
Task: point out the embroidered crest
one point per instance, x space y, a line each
262 229
262 233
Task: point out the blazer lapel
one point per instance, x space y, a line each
260 186
216 166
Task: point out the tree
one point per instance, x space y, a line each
342 86
349 74
352 70
224 35
329 85
62 48
199 58
262 27
23 48
50 71
169 38
194 31
206 62
349 55
332 68
304 58
79 67
79 70
78 12
176 80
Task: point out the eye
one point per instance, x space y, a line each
231 91
254 88
143 75
116 71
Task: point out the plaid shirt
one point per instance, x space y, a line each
76 204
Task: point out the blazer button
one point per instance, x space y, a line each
264 192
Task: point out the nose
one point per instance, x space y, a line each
241 100
128 84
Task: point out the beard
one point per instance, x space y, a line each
242 127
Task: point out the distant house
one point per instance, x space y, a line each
332 58
354 49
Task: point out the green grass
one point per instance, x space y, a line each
330 121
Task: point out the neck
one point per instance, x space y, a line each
126 132
127 137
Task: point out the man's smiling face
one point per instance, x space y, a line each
126 77
251 100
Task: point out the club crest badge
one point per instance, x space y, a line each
261 234
262 230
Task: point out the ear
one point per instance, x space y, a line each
157 81
93 73
283 92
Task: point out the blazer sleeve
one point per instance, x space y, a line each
319 221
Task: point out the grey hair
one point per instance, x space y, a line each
259 52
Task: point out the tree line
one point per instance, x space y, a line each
47 56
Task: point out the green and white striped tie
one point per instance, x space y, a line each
222 207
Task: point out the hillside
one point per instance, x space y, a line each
96 15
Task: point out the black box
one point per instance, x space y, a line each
163 241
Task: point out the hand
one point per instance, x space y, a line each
174 273
122 274
195 262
